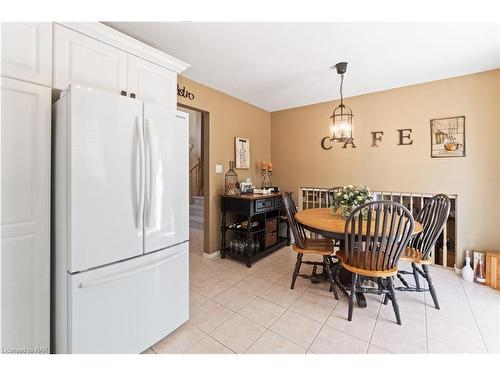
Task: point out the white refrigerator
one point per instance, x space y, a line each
120 222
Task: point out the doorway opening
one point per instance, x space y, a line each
198 177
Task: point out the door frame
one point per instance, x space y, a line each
205 142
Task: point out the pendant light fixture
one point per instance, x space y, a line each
341 125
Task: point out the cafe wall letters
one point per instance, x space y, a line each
447 138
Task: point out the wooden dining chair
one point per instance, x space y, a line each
376 234
433 217
302 245
330 196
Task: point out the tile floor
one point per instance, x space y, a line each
234 309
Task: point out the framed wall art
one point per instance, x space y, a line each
448 137
242 147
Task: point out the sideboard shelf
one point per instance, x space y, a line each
272 232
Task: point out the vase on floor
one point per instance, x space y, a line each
467 271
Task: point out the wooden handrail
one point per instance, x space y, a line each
194 172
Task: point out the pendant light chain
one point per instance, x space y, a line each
341 86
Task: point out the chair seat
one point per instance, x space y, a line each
321 246
415 256
366 272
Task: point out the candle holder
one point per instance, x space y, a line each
267 177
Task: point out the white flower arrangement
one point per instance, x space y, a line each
349 197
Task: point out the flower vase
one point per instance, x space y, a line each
467 271
346 211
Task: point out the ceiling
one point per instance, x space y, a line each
276 66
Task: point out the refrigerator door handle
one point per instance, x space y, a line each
108 279
140 203
149 180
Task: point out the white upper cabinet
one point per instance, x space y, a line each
27 52
83 60
151 83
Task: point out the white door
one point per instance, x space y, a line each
27 51
152 83
25 249
166 214
85 61
107 175
129 306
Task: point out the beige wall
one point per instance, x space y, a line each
300 161
229 118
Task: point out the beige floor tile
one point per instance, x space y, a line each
301 284
210 267
332 341
232 276
262 311
238 333
280 295
179 340
208 346
460 334
399 339
148 351
209 315
361 326
196 299
254 284
435 347
297 328
235 298
272 343
197 276
272 272
211 287
322 288
373 349
317 307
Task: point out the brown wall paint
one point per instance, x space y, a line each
229 118
300 161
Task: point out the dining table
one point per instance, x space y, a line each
332 225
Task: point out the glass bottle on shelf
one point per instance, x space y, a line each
231 180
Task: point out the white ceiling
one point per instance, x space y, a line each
282 65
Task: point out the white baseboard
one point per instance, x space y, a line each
213 255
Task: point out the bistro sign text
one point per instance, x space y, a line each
184 93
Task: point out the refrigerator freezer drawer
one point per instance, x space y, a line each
128 306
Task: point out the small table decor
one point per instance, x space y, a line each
349 197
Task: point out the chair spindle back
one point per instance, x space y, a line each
433 217
376 233
298 232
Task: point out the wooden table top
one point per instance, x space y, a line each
322 220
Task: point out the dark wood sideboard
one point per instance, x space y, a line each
271 231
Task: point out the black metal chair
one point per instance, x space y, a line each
376 234
309 246
433 218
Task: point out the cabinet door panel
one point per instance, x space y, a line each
27 51
25 215
152 83
85 61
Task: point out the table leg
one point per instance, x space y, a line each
361 299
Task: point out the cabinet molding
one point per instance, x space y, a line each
126 43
